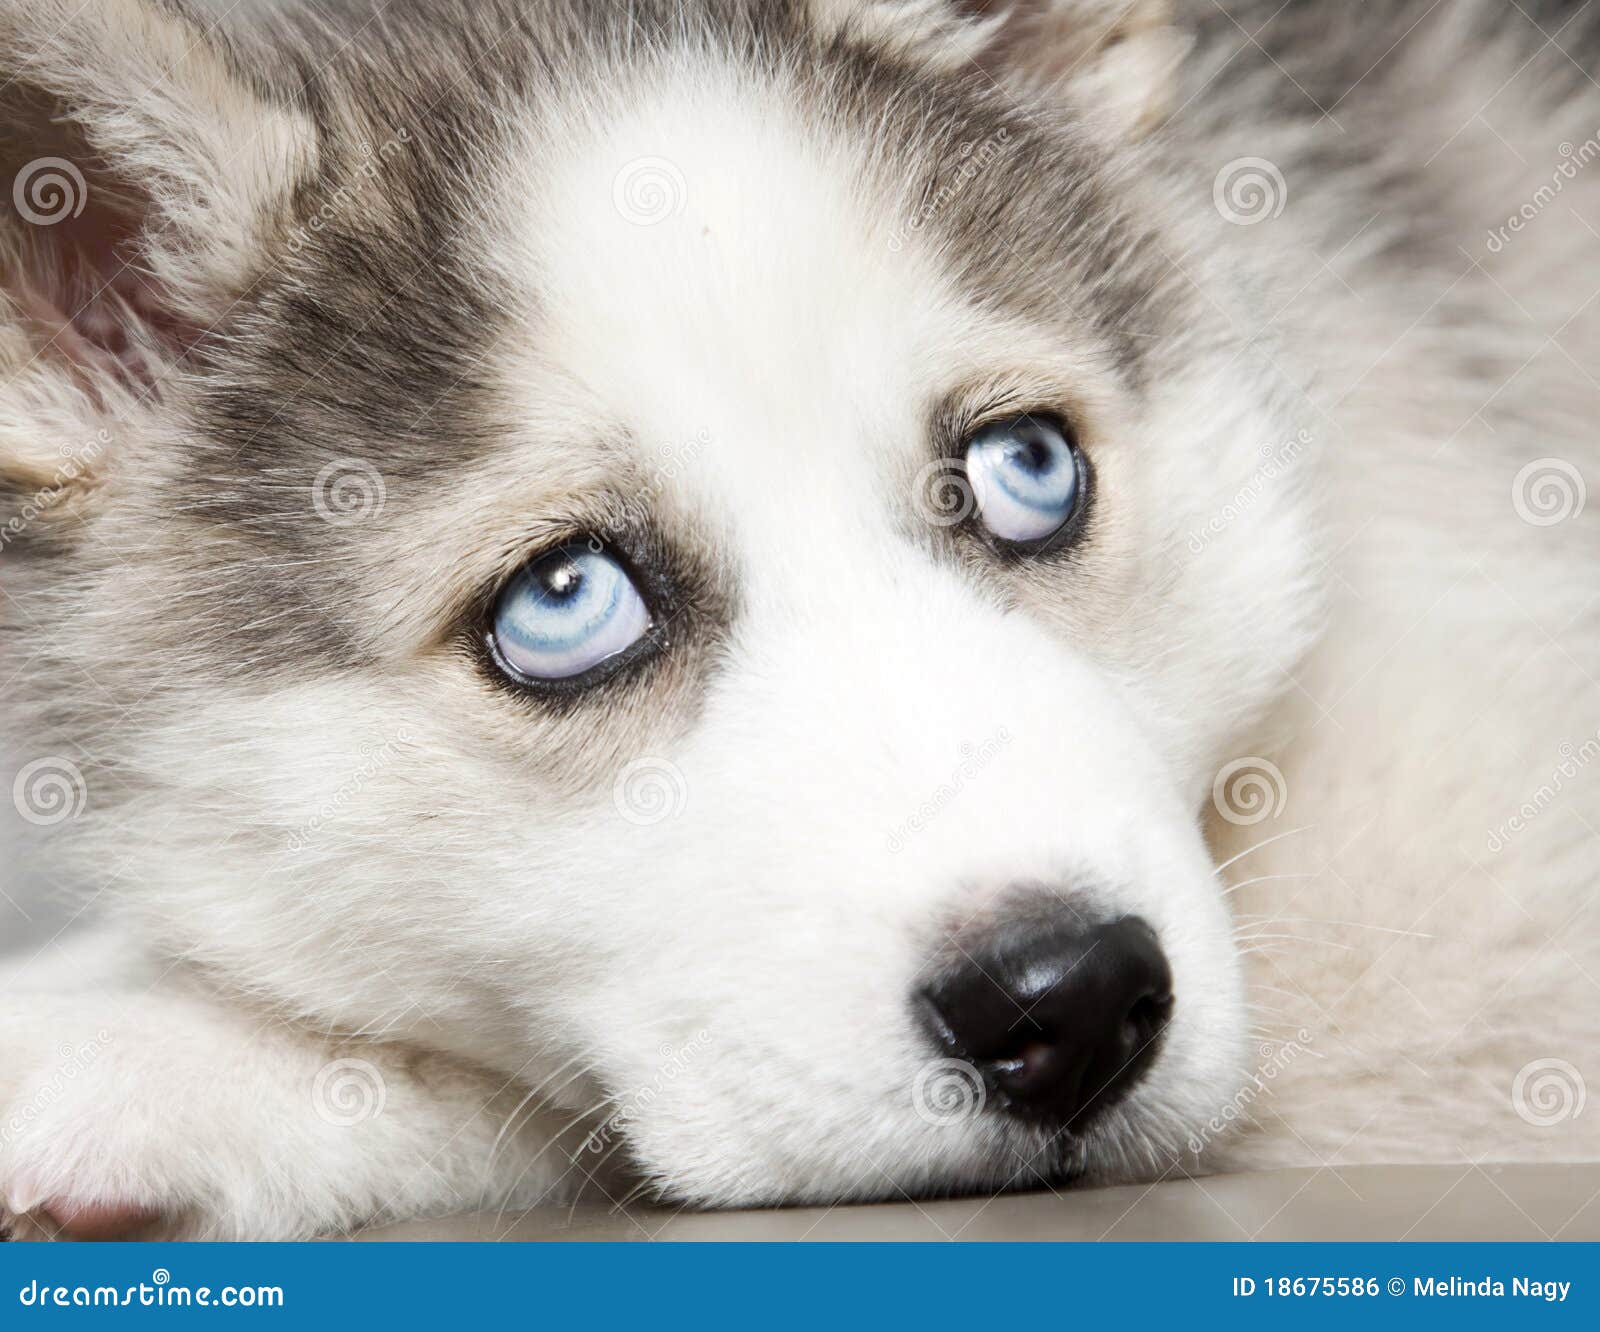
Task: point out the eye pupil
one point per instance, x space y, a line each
1034 455
564 580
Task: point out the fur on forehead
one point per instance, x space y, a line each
377 319
200 153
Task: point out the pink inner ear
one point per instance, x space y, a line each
90 298
57 329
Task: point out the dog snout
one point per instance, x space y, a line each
1061 1019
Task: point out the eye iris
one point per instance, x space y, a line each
566 613
1024 474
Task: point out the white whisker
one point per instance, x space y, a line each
1265 842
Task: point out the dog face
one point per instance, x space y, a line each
669 569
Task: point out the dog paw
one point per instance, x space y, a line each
164 1120
178 1119
27 1215
77 1120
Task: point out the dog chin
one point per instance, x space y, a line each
1024 1164
996 1156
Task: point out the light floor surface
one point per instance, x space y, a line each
1433 1202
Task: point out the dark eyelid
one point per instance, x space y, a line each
955 424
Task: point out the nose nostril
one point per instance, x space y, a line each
1034 1068
1028 1062
1149 1016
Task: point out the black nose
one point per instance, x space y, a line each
1060 1019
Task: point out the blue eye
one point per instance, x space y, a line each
566 613
1027 477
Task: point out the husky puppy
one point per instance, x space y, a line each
768 601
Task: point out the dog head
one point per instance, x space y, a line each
681 558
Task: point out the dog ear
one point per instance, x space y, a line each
1113 62
140 171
